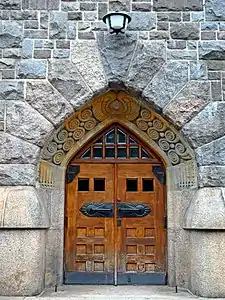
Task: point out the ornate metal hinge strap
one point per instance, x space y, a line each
71 173
98 210
106 210
159 172
132 210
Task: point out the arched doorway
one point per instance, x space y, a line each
115 212
146 126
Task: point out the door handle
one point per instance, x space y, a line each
132 210
93 209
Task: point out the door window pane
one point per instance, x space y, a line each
110 137
145 154
86 154
99 141
121 137
134 152
131 141
132 184
97 152
83 184
110 152
147 184
121 152
99 184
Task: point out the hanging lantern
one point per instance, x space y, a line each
117 22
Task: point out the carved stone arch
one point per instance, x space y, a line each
118 106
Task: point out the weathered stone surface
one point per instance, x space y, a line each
206 210
25 122
216 90
170 79
64 76
212 153
207 126
178 202
215 65
42 54
48 101
185 31
85 55
159 35
58 24
70 6
27 48
35 34
7 63
57 209
31 69
207 267
22 254
178 257
198 70
17 151
176 44
142 21
23 208
215 10
205 155
119 5
193 98
178 5
181 54
116 53
211 176
11 34
148 59
17 174
11 90
53 4
10 4
141 6
61 53
54 257
12 53
213 50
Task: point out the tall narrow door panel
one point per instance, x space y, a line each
141 256
89 240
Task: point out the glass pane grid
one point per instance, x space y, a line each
116 144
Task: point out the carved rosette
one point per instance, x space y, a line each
116 105
163 135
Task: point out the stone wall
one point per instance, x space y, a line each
173 55
56 55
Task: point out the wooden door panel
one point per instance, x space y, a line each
142 240
89 241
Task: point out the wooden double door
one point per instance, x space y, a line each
115 213
114 228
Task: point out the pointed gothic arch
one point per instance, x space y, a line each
118 106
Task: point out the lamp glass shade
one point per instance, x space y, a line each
116 22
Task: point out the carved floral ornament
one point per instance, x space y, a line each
116 106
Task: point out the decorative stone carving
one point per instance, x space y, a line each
116 105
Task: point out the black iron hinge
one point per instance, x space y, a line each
165 221
71 173
159 173
66 222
